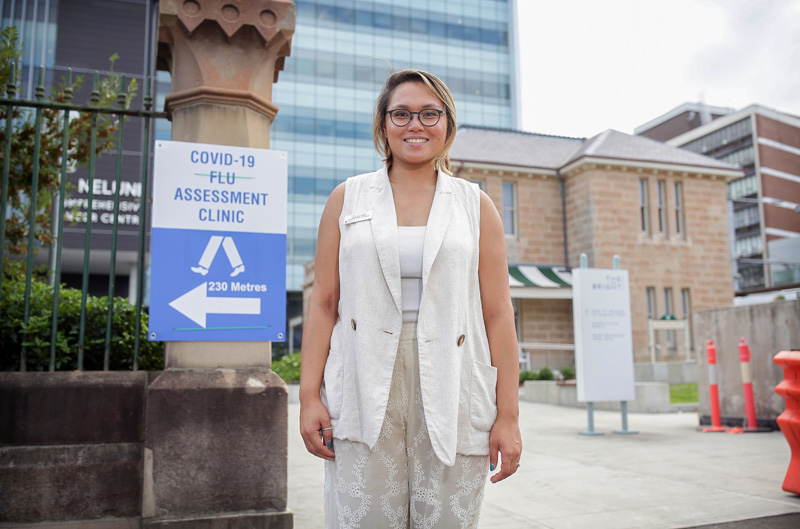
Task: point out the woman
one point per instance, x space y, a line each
409 370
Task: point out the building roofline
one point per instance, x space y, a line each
680 109
724 121
728 174
514 131
480 164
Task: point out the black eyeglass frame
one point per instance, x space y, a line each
411 116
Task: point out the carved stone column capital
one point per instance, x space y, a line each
225 52
268 17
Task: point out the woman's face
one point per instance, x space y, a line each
415 145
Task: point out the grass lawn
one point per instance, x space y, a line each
683 393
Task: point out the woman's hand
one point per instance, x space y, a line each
505 438
314 419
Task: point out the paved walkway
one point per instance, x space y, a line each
669 475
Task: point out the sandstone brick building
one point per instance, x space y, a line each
661 209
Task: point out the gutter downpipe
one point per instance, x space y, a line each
563 213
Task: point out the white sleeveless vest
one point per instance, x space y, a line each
457 380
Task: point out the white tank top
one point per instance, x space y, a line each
410 240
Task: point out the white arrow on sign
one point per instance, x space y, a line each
196 305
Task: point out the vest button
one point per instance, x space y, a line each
461 340
353 323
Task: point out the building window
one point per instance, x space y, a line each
743 187
509 208
745 217
750 245
686 303
721 139
669 311
662 207
679 214
686 308
741 157
480 184
651 303
643 210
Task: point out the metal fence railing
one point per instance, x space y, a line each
48 115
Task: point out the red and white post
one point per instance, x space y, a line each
747 383
713 390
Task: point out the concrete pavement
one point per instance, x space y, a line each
668 475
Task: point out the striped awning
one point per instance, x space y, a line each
542 282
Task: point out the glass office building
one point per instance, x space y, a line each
342 52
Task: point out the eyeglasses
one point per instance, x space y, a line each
402 117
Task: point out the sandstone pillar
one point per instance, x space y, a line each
216 439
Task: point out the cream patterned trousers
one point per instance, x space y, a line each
400 483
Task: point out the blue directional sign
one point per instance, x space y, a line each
218 248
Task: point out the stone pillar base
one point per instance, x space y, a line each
267 520
106 523
215 442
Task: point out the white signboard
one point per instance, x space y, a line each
601 309
218 251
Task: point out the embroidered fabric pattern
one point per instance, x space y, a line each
400 483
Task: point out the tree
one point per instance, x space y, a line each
22 139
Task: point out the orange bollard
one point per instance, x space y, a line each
749 400
713 389
789 420
747 383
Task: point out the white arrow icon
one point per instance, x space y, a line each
196 305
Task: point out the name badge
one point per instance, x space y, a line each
358 217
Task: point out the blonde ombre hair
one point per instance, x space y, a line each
442 162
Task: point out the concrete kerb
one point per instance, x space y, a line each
651 397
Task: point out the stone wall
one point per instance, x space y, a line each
71 445
75 449
540 232
768 329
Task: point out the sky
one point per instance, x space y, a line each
591 65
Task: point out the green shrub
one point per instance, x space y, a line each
526 375
568 372
288 367
12 330
545 373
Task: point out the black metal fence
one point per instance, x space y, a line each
86 132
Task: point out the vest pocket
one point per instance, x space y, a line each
332 383
483 398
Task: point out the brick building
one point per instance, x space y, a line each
660 208
763 203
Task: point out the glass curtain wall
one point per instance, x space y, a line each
342 52
36 23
